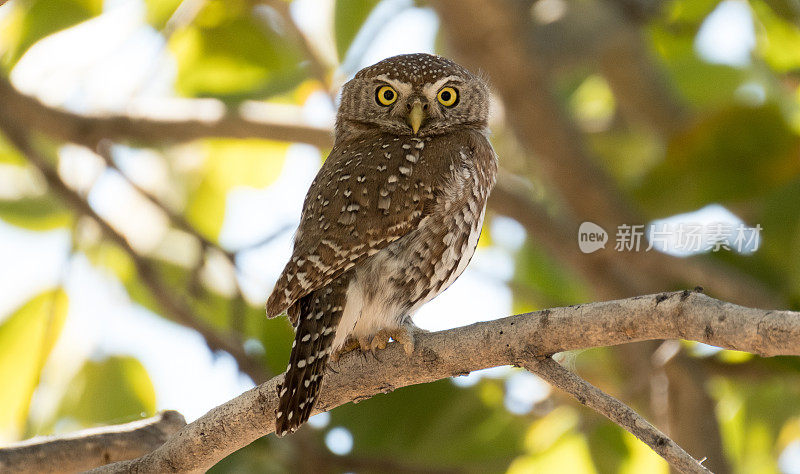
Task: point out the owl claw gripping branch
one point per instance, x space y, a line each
390 221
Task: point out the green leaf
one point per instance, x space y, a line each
779 39
9 155
735 154
780 237
228 164
553 444
690 12
751 417
786 9
160 11
36 213
26 339
230 53
478 430
348 18
262 456
700 83
592 104
33 20
114 390
550 283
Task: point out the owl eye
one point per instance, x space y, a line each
447 96
385 95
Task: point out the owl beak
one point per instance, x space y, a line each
415 116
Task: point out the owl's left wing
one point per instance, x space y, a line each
366 196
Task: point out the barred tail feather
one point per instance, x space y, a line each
319 315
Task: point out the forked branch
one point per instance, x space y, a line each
515 340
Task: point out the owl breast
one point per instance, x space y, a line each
389 287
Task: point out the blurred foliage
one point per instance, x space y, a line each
35 213
738 145
715 161
228 164
113 390
477 430
229 53
348 16
33 20
26 339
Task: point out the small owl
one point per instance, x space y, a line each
391 219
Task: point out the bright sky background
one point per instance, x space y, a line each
74 70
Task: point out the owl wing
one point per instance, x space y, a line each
368 194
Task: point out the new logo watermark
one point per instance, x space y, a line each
683 238
591 237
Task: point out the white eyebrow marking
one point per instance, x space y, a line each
401 87
431 90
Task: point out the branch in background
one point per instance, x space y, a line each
559 238
611 276
512 340
608 36
537 119
610 272
542 127
251 122
172 304
616 411
103 150
86 449
689 407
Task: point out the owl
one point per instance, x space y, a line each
390 221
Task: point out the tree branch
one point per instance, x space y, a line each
252 121
172 304
616 411
609 272
542 128
90 448
512 340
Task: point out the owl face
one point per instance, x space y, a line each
413 94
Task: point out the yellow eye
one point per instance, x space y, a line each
447 96
386 95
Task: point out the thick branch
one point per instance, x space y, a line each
90 448
31 114
511 340
616 411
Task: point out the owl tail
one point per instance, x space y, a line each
319 314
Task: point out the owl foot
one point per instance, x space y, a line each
350 345
403 335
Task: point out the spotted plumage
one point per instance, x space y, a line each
390 221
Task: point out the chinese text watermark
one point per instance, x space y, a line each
680 238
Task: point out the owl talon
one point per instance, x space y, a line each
350 345
380 340
364 343
403 335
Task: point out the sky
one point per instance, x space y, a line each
72 69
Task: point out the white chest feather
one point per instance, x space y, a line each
388 288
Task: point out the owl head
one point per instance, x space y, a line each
413 94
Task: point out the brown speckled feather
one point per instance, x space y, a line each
359 203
